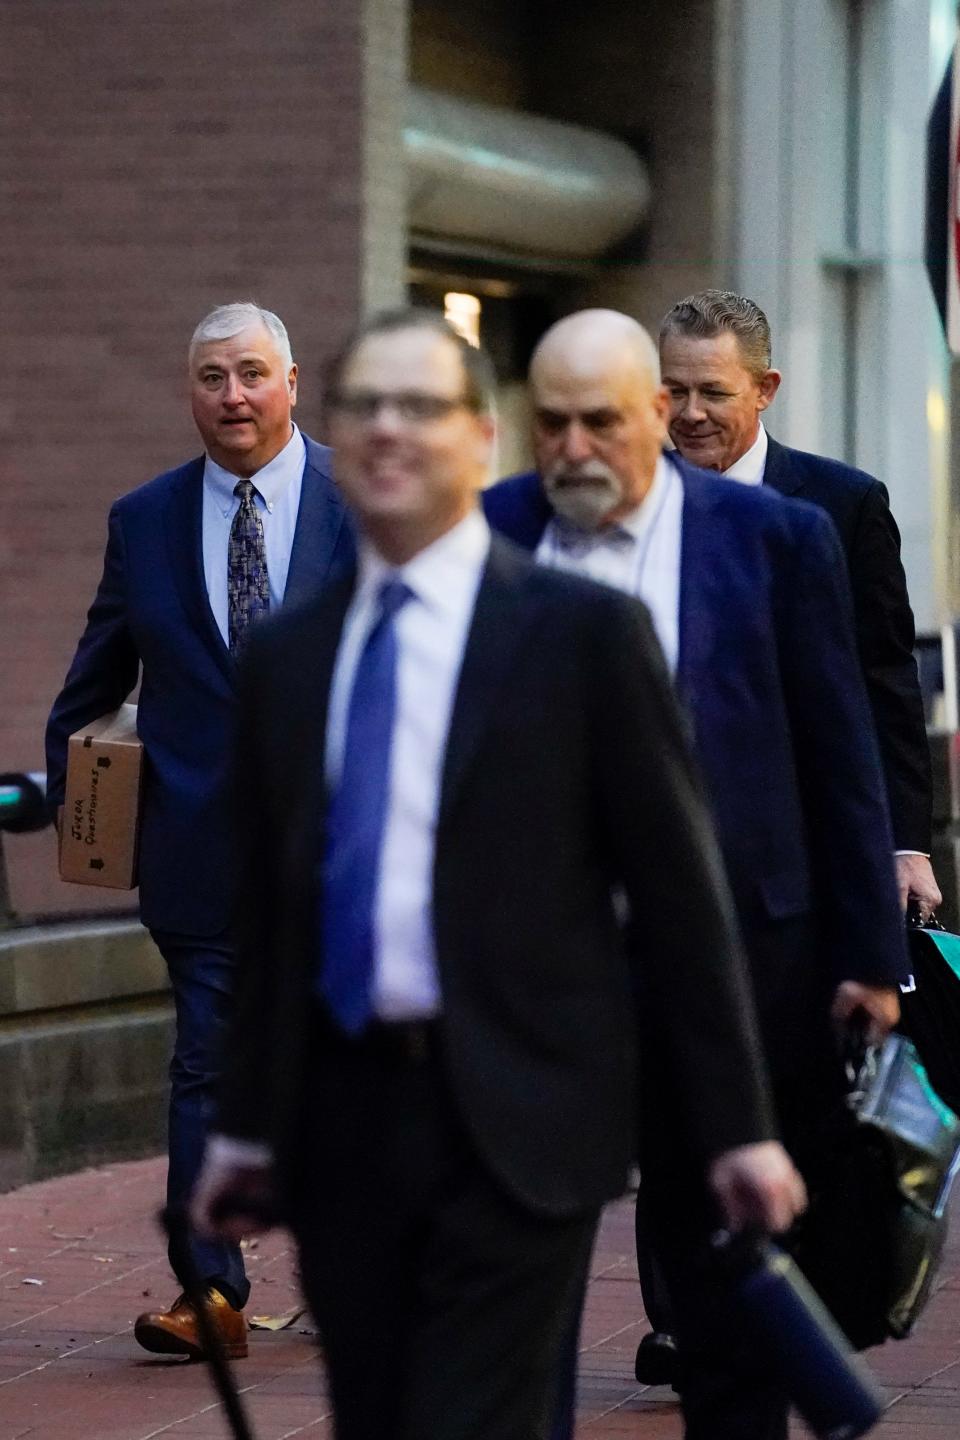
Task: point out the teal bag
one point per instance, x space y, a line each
930 1007
921 1135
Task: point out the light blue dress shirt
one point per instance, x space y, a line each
277 498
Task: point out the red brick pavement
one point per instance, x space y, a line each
70 1370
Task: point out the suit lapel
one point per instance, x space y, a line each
184 534
699 600
492 641
314 653
320 524
779 471
519 508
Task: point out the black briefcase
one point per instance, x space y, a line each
875 1229
930 1006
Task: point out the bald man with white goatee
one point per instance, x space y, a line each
750 601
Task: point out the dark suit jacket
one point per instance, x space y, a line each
859 507
151 611
565 771
768 672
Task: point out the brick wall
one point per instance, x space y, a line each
156 160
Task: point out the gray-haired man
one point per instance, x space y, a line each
193 558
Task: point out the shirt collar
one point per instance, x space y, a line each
443 572
627 532
752 463
638 521
270 481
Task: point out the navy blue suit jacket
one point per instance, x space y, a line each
768 670
859 507
151 617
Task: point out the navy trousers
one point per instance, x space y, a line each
202 971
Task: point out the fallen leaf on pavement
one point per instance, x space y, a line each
276 1322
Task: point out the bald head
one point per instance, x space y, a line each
599 415
591 342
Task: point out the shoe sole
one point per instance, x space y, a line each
654 1367
657 1376
160 1342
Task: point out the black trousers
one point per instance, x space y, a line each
727 1391
440 1300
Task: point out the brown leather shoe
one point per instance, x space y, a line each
176 1332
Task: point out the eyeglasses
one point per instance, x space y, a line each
410 405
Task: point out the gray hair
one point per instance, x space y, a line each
710 313
228 320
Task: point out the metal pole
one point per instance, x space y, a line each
6 907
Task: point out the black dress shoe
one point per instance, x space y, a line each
658 1360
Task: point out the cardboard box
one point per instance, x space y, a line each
101 809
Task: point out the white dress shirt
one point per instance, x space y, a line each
752 463
640 555
431 629
277 498
431 633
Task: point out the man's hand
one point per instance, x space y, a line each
758 1186
879 1005
232 1195
915 881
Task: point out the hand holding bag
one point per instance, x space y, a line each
930 1005
875 1230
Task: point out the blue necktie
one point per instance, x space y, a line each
355 823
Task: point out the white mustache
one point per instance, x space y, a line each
583 496
567 479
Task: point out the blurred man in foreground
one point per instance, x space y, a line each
447 769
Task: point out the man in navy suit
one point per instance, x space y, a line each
751 604
715 358
192 558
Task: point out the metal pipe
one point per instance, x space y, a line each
492 177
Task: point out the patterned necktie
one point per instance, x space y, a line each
248 585
356 820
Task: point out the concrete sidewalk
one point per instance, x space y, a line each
70 1369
